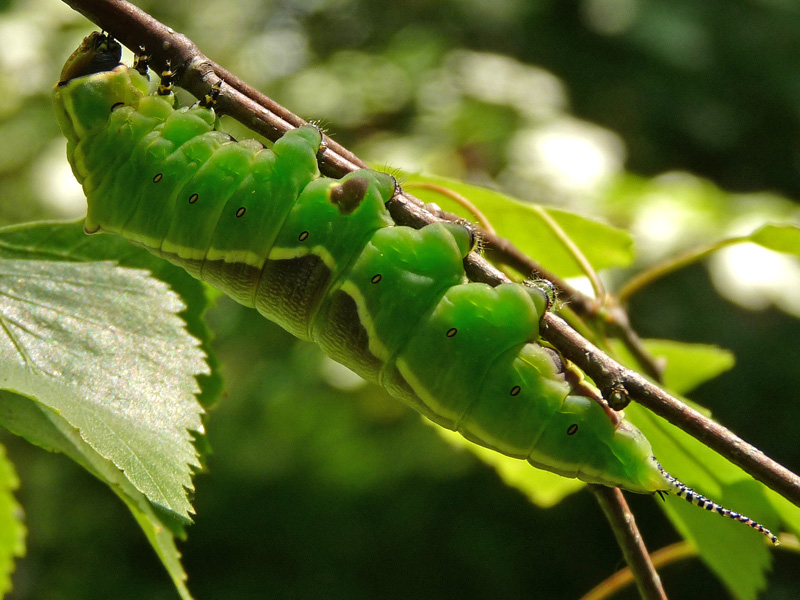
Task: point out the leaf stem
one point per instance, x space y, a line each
572 248
457 198
663 557
648 276
624 577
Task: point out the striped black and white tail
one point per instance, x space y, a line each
688 494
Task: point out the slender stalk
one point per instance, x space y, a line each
457 198
624 577
694 255
575 252
663 557
623 525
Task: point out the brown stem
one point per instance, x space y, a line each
134 28
630 541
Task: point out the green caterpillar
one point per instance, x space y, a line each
323 259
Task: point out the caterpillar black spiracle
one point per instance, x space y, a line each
323 258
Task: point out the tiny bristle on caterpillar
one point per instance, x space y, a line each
324 259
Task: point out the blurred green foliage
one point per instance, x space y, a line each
321 488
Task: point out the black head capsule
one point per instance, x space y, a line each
98 53
688 494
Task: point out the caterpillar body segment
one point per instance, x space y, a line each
324 259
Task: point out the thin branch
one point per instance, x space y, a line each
630 541
133 27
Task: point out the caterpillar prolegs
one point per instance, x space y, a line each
324 259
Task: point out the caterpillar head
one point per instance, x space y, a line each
97 53
93 83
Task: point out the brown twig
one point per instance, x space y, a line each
630 541
134 28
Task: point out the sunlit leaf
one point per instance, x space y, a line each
47 429
781 238
688 365
685 366
738 555
604 246
68 242
103 347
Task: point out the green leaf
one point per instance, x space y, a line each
689 365
739 556
103 346
12 529
780 238
789 512
604 246
47 429
543 488
686 366
742 567
68 242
